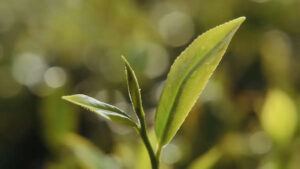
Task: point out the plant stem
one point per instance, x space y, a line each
143 133
158 152
151 153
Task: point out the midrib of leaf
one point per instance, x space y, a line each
187 76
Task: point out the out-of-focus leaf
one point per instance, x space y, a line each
279 116
207 160
65 161
58 119
125 153
88 155
273 161
134 90
276 58
188 76
104 110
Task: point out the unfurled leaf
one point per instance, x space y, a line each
106 111
134 90
188 77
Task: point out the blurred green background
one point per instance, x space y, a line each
247 117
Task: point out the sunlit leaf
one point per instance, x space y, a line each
188 76
279 116
207 160
134 90
106 111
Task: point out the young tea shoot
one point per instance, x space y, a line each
186 80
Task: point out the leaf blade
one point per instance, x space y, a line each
104 110
134 90
188 77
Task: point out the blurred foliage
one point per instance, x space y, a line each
249 110
207 160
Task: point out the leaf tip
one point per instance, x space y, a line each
240 20
124 59
70 97
64 97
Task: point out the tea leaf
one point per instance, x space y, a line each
188 77
134 90
106 111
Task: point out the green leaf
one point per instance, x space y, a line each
188 76
106 111
134 90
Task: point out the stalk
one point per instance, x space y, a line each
143 133
158 152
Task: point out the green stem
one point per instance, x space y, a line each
158 152
143 133
151 153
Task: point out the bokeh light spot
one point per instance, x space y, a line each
171 154
28 69
55 77
176 28
157 60
260 143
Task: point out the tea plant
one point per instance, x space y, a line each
185 82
